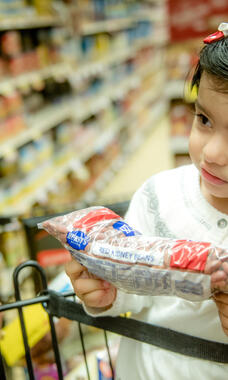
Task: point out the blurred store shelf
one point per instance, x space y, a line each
175 89
148 156
38 123
52 115
115 24
70 70
10 84
179 144
29 22
106 26
127 171
34 188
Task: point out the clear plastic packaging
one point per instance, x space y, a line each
109 248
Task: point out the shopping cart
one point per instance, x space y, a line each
63 305
35 247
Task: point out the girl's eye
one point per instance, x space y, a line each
203 119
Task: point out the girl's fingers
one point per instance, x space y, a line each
220 285
74 269
212 266
221 297
100 298
86 274
223 308
221 300
85 286
94 292
217 276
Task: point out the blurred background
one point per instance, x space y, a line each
94 99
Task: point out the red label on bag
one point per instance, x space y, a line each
189 255
95 216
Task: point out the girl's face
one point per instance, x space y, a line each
208 143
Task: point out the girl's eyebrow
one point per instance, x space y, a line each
202 108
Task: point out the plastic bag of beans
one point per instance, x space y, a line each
109 248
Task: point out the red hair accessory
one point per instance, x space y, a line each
221 33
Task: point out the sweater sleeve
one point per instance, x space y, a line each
123 303
138 218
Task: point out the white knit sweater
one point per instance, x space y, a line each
170 204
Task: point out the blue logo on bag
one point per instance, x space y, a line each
77 240
125 228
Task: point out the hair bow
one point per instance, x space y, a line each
221 33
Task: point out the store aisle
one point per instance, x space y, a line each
151 157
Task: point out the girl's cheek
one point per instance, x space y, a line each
195 143
192 146
195 152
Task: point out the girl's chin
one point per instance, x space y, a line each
213 190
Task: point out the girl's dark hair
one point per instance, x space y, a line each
213 59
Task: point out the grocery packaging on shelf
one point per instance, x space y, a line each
186 40
81 83
116 87
37 325
12 241
181 59
181 119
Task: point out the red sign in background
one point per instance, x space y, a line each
195 18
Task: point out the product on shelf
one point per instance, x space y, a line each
181 58
36 320
12 241
105 371
71 96
43 7
23 51
181 117
37 325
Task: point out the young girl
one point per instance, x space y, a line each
189 202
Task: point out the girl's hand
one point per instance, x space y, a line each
93 291
221 300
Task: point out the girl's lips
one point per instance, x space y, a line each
212 179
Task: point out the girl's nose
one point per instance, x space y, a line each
216 151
